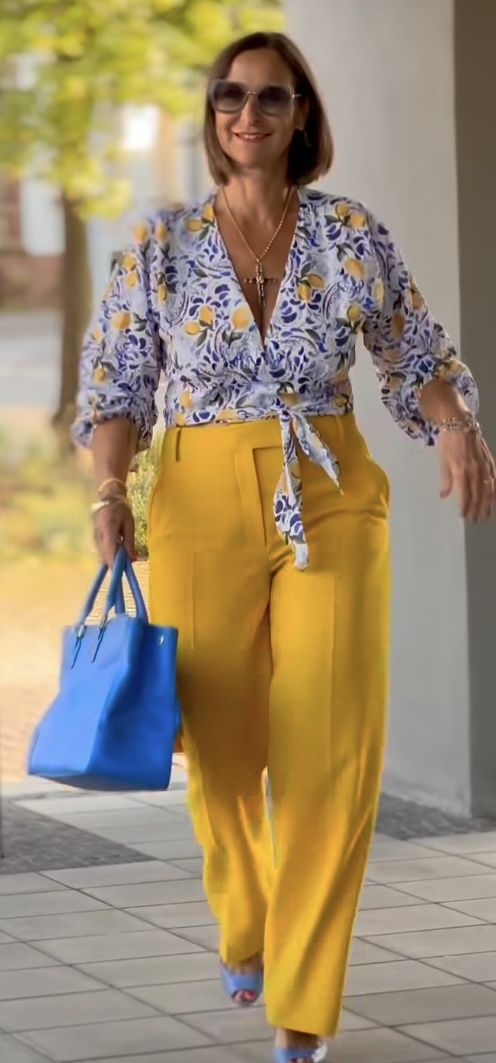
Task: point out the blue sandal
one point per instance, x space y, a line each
288 1055
249 982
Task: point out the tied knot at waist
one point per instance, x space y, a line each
288 493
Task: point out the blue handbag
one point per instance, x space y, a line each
113 723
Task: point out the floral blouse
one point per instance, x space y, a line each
174 304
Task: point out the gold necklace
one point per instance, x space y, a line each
259 279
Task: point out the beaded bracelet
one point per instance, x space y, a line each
466 423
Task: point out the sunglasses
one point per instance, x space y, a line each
230 97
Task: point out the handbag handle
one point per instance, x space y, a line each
121 562
122 565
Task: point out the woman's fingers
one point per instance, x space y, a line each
114 525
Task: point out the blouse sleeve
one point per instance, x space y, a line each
408 347
119 368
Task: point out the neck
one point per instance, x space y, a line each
259 197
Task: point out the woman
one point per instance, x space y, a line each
268 529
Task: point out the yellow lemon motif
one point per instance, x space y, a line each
161 231
448 368
228 415
186 400
131 280
121 320
179 420
417 299
162 293
354 313
357 220
192 328
397 325
378 292
341 211
241 317
355 268
194 225
97 334
141 232
208 213
129 261
99 375
315 280
339 400
206 316
304 291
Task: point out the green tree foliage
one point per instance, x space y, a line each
67 67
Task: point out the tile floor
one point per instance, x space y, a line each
118 962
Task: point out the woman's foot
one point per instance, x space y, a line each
295 1039
253 965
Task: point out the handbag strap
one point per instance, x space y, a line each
121 563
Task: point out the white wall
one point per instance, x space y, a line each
386 71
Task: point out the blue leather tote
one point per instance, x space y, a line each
113 723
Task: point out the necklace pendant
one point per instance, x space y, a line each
260 283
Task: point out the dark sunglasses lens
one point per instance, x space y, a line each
228 97
275 100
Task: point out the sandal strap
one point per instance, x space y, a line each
251 981
288 1055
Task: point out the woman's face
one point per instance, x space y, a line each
252 139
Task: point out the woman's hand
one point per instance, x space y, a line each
113 525
468 467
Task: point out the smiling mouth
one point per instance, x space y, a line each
252 136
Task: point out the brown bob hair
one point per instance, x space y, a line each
310 151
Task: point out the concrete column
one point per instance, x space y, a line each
409 89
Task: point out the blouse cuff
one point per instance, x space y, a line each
404 405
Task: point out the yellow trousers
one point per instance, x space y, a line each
282 672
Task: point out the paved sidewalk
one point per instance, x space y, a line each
117 961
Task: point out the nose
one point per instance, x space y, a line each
252 108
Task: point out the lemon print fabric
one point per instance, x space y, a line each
174 307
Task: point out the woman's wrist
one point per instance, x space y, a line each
440 400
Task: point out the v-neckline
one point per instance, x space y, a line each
262 338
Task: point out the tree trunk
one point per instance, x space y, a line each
76 311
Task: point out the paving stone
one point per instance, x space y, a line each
424 1005
366 952
402 974
365 1046
484 909
36 1013
459 1036
176 998
38 927
406 819
41 903
450 889
140 834
189 913
390 871
384 848
423 944
161 1034
109 874
231 1024
122 817
154 970
475 967
17 957
47 981
26 883
462 844
110 946
183 1055
167 850
54 806
180 886
383 897
12 1051
413 917
193 864
206 936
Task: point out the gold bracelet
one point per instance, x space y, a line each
111 480
466 423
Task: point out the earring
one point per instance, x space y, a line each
305 136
